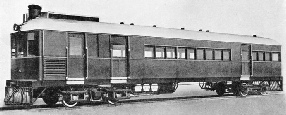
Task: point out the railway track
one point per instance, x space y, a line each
151 99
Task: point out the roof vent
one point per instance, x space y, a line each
200 30
154 26
34 11
121 22
207 31
132 24
254 35
182 28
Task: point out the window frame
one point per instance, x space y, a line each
278 56
203 57
174 52
254 58
194 51
152 49
265 54
185 52
229 54
259 56
211 55
221 52
164 52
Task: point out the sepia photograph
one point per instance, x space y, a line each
143 57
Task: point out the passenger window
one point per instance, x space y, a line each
209 54
118 51
226 55
160 52
191 53
267 56
254 56
260 56
182 53
170 51
149 51
218 55
200 54
275 56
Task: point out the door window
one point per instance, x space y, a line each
118 51
76 45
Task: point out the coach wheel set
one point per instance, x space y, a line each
242 88
71 96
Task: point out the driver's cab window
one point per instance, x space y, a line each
24 45
33 45
21 45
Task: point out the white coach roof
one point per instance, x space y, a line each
122 29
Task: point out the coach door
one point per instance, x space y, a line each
246 63
119 59
76 58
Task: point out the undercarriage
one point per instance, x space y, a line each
242 88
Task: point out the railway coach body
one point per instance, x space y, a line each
53 55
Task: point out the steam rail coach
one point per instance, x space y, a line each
75 59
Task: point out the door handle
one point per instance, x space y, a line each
67 51
86 63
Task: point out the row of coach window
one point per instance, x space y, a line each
168 52
265 56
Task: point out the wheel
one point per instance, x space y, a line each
220 89
67 101
220 92
243 92
109 98
263 91
51 99
235 88
112 101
